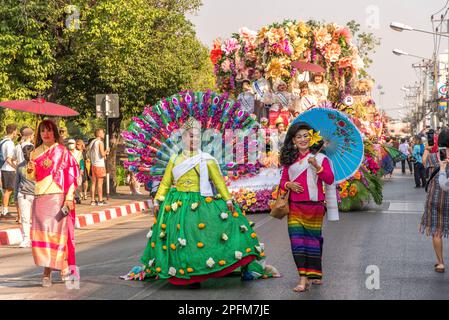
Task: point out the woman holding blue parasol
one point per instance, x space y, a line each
306 170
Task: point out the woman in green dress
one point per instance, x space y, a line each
197 234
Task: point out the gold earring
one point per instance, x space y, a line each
295 146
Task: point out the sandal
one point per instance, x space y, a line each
46 281
439 269
317 282
302 288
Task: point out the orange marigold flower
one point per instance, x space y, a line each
190 270
200 245
222 262
181 271
167 208
178 226
248 250
173 246
163 226
152 244
164 247
235 214
209 199
253 235
201 225
158 269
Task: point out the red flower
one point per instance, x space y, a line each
216 53
341 123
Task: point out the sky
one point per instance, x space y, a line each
218 18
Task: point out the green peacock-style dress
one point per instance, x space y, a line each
194 237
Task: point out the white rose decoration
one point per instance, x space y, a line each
243 228
150 263
224 237
258 248
210 262
224 215
150 233
238 255
161 198
174 206
162 235
262 246
182 242
172 271
194 205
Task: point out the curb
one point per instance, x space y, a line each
13 236
111 213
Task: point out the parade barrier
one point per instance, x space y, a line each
13 236
112 213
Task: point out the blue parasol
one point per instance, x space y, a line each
343 141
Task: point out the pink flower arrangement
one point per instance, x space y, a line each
332 52
226 65
322 37
231 45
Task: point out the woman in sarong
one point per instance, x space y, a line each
55 172
304 174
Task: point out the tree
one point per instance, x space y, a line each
141 49
366 42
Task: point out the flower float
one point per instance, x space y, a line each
275 46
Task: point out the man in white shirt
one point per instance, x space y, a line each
405 149
8 167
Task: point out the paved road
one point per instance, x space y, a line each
384 236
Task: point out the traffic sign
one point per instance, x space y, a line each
107 105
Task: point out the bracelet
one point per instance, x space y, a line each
319 171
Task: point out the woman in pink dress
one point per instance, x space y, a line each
55 172
305 174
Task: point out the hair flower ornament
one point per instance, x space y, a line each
314 137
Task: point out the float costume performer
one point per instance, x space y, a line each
152 138
195 236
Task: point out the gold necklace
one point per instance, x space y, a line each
47 162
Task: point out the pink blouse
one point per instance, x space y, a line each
326 176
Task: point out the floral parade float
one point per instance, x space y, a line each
273 48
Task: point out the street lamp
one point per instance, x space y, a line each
397 26
399 52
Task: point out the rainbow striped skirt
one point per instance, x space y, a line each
305 222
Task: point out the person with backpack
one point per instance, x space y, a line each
97 155
24 194
420 171
435 220
8 167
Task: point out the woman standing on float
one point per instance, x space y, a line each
304 174
198 235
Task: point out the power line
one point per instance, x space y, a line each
447 2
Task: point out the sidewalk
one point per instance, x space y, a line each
121 204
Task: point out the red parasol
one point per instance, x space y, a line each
39 106
307 66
